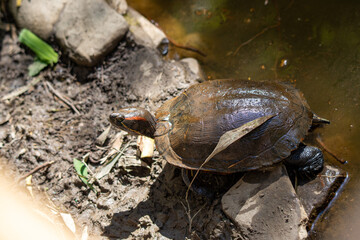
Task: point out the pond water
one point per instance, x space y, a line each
314 44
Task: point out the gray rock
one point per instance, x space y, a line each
145 33
264 205
39 16
194 68
120 6
316 194
156 79
89 29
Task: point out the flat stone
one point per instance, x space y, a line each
145 33
39 16
156 79
89 29
317 194
264 205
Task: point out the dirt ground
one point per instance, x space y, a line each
135 201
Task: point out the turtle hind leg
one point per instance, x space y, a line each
200 190
307 161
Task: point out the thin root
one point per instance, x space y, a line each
36 169
255 36
326 149
192 49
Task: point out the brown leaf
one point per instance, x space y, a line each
233 135
228 138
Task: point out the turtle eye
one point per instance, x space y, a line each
116 119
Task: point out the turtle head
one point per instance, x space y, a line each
136 121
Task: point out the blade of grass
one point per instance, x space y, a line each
43 51
82 171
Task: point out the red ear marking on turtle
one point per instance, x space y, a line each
136 118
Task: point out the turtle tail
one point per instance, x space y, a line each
319 120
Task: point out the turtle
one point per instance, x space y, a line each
188 127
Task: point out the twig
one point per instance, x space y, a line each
188 213
102 73
255 36
185 47
36 169
63 98
178 45
322 144
22 89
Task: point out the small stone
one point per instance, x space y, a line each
155 78
145 33
39 16
120 6
89 29
194 67
264 205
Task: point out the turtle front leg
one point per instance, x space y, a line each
306 160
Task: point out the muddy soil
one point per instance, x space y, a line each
135 200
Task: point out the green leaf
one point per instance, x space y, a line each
82 172
36 67
42 50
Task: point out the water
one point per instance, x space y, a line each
314 44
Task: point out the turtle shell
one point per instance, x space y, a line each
190 125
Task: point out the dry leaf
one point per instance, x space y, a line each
233 135
69 221
115 147
100 140
230 137
85 234
29 185
146 146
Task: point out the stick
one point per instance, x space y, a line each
62 98
36 169
255 36
326 149
178 45
21 90
185 47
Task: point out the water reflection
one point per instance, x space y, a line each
314 44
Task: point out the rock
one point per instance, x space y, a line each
157 79
317 194
194 67
39 16
89 29
145 33
264 205
120 6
